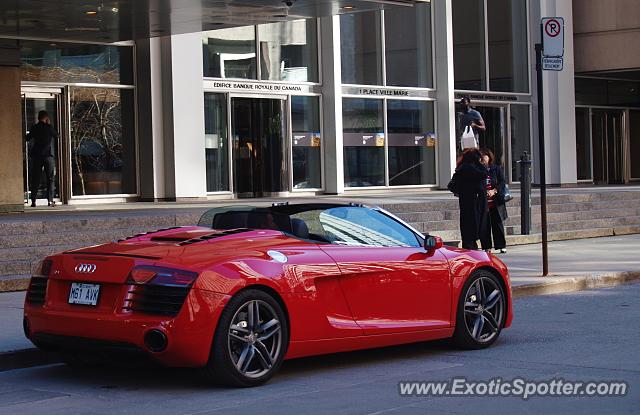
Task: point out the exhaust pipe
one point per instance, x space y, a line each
155 340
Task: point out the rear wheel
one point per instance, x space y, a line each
250 341
481 311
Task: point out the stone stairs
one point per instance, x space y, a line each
27 238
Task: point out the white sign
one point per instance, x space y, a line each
552 64
552 37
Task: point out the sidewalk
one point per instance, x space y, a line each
574 265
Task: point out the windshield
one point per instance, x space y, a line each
337 224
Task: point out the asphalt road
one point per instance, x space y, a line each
585 336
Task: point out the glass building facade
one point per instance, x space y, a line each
89 93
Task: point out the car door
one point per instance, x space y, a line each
391 283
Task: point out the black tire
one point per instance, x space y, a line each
235 337
477 317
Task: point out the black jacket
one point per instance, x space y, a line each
42 135
498 182
470 186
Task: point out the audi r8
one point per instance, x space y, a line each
249 287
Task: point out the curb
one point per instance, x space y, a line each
572 284
26 358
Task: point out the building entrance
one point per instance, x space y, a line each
34 101
259 146
608 146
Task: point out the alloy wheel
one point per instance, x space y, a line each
255 338
484 309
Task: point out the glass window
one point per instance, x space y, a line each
583 144
468 45
216 142
230 53
289 51
361 48
520 137
305 121
103 159
408 46
363 138
507 31
66 62
634 143
591 91
363 226
412 143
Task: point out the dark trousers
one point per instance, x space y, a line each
474 222
497 229
37 165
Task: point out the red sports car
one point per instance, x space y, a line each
251 286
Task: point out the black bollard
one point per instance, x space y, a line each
525 194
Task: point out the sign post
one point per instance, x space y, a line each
549 57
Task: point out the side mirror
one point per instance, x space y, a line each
432 243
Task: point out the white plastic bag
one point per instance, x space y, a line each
468 139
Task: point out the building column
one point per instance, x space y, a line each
11 139
559 100
332 104
443 55
171 118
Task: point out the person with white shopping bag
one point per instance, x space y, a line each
471 123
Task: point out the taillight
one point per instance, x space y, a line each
168 277
43 268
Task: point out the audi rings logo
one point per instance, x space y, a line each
85 268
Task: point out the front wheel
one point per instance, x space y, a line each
250 341
481 311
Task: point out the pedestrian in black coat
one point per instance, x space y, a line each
469 179
41 156
495 185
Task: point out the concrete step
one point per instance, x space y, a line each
579 224
17 282
415 217
579 215
71 238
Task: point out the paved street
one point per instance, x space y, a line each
589 335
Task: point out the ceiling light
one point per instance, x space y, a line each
91 13
348 7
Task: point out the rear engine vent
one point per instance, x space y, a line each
37 290
213 236
156 299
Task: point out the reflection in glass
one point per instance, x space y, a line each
289 51
306 142
412 143
67 62
103 157
507 31
634 143
520 137
230 53
408 46
468 45
363 137
361 48
358 226
583 144
216 150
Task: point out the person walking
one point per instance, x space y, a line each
471 118
41 156
469 184
495 183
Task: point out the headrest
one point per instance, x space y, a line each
299 228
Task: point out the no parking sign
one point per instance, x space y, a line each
552 37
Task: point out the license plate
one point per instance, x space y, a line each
85 294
